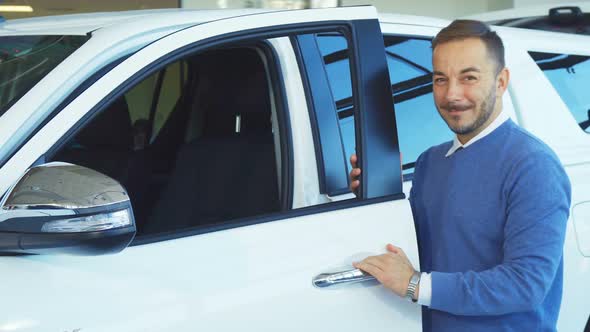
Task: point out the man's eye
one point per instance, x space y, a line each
470 78
439 80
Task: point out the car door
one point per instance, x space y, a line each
255 273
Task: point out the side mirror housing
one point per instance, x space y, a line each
65 208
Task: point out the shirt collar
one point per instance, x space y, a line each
502 117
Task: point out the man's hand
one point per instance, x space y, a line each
392 269
354 175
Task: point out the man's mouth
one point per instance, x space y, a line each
457 110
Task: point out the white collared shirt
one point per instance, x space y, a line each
425 292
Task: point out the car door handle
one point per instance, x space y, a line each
349 276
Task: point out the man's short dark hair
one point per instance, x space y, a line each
463 29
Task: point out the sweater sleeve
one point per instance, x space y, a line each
538 198
414 194
414 189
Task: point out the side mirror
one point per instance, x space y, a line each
65 208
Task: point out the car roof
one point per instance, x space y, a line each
413 20
118 25
81 24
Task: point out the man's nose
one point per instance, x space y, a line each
454 90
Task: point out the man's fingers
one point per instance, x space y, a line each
369 268
383 262
354 182
354 174
391 248
396 250
380 262
353 160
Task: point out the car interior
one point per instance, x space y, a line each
213 158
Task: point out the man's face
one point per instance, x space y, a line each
465 86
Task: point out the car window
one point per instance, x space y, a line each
25 60
153 99
211 158
570 75
418 124
410 70
172 83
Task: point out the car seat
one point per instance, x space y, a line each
228 172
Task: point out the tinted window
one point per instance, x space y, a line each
418 124
212 158
410 70
570 76
153 100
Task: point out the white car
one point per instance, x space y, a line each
229 131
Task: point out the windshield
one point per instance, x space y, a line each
25 60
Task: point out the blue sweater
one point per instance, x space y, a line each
491 222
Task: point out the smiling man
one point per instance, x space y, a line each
490 207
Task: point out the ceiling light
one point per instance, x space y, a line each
16 9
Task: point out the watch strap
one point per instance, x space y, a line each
413 286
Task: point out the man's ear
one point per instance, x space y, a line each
502 81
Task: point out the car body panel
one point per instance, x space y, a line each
581 213
254 278
535 111
82 24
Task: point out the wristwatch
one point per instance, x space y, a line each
413 286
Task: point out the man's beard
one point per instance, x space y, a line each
486 110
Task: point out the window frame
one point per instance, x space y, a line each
224 40
332 169
331 161
345 107
279 94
